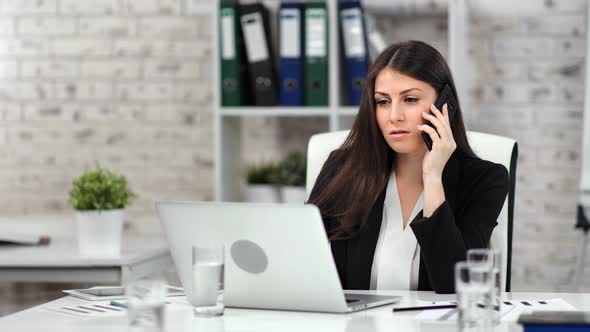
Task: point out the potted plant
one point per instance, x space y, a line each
291 177
99 197
262 183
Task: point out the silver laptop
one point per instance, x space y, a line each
277 255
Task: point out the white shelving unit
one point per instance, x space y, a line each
584 188
228 179
275 111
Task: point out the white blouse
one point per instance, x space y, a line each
396 263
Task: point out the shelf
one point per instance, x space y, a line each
348 110
203 9
285 111
274 111
227 121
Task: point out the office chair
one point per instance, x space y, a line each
498 149
583 224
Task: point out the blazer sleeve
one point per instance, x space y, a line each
444 237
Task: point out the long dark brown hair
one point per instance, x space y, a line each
365 161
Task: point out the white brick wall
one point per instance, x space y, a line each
27 46
111 68
531 88
81 47
107 26
94 7
147 7
176 26
127 82
19 7
48 69
106 80
46 26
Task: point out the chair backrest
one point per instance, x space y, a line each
497 149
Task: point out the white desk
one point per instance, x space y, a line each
180 318
60 261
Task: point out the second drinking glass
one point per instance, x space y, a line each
493 259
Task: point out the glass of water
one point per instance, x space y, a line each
146 298
494 260
473 283
208 280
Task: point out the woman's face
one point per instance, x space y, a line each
400 101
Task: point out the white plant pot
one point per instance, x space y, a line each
263 193
100 232
293 194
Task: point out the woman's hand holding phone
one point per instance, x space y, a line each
443 143
443 146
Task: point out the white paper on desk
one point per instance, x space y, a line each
558 304
508 312
451 314
90 310
106 293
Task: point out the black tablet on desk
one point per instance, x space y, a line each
570 321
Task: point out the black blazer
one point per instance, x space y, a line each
475 191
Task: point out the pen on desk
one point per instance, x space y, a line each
118 304
430 307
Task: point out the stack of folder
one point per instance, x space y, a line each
304 54
247 69
310 65
248 72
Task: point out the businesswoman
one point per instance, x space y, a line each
384 179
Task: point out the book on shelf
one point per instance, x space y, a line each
291 54
315 74
231 56
254 19
354 49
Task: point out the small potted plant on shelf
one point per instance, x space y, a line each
262 185
99 197
291 177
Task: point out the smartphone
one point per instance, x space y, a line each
445 96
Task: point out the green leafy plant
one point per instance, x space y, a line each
100 189
265 173
292 170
